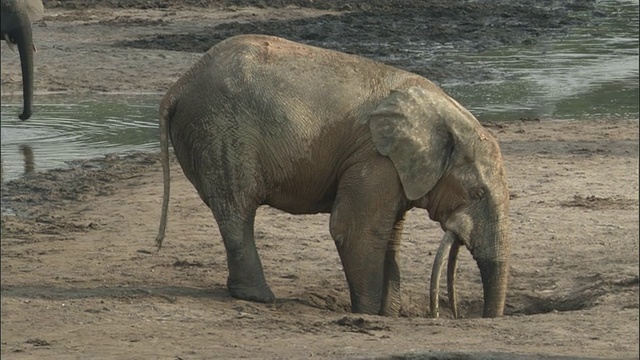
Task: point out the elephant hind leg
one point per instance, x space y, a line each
246 279
362 223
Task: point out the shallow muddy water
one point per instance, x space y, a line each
590 73
59 132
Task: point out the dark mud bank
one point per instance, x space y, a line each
411 34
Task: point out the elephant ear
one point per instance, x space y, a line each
35 9
408 126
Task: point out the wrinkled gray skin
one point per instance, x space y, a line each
17 17
261 120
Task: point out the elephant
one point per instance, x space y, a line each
261 120
17 17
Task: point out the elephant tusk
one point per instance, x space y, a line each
35 49
438 264
451 277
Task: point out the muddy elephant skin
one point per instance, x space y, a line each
260 120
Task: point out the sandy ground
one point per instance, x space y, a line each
81 278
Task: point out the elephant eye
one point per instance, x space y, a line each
476 193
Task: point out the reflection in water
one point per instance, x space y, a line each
591 73
29 164
28 158
92 127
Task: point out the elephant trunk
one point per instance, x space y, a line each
494 282
494 274
492 253
23 38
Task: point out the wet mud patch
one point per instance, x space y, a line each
598 203
89 17
414 35
133 21
83 180
20 227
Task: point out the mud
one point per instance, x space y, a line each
81 277
400 33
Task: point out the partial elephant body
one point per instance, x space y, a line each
17 17
279 113
264 121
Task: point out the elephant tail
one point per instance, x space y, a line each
166 110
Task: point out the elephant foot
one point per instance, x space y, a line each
391 310
364 307
260 293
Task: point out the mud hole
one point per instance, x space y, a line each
584 297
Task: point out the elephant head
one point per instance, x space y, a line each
451 166
17 17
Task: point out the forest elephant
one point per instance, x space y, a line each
17 17
261 120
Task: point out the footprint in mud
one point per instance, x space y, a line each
360 325
332 302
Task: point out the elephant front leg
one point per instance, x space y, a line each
362 223
391 285
246 279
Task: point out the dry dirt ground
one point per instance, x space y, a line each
81 278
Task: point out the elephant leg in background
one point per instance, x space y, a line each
362 223
17 17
